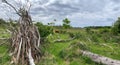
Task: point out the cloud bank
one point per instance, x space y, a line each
80 12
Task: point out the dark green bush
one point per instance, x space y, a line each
3 23
116 27
63 32
87 30
104 30
44 30
71 35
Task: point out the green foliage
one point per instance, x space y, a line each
66 23
4 57
44 29
116 27
68 53
71 35
98 27
73 50
2 22
87 29
13 23
104 30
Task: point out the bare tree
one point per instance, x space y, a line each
25 38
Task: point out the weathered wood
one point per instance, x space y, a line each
101 59
25 38
63 40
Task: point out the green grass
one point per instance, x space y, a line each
96 43
54 50
4 57
4 33
106 51
61 53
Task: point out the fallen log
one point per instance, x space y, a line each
100 59
62 40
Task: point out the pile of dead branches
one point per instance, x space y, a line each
25 40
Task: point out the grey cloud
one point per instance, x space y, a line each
65 9
80 12
116 1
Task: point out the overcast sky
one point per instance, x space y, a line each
80 12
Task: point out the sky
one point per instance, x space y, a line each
81 13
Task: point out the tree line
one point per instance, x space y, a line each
115 28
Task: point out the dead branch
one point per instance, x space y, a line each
5 1
25 39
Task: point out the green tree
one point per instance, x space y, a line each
66 23
116 26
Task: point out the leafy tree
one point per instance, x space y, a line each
116 26
66 23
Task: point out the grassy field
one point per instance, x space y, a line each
99 41
60 53
4 47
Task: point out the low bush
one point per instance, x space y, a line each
44 30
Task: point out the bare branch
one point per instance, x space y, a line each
25 38
4 1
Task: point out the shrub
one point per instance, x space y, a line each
44 29
71 35
116 27
3 23
104 30
87 30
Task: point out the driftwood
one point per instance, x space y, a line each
100 59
